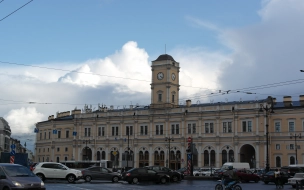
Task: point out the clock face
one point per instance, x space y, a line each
173 76
160 76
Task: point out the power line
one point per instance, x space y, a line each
15 10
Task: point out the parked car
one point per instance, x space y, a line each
54 170
209 172
136 175
293 169
174 175
269 177
15 176
218 174
297 177
100 173
247 175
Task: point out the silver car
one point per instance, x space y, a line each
15 176
100 173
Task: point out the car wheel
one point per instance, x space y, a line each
257 180
174 178
129 182
5 188
41 176
266 182
71 178
87 178
196 175
135 180
293 186
163 180
115 179
237 187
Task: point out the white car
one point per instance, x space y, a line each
209 172
54 170
297 177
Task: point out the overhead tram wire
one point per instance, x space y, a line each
15 10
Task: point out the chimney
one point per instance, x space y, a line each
301 100
188 103
287 101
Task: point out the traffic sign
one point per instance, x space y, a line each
189 139
13 146
12 159
13 152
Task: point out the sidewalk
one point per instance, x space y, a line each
200 178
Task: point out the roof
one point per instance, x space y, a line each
165 57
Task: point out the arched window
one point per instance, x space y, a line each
141 155
103 155
224 157
278 161
98 155
212 157
292 160
65 158
57 159
206 158
146 155
156 155
42 159
231 157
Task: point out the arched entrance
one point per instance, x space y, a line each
247 154
86 153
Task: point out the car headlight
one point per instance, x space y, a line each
42 184
17 184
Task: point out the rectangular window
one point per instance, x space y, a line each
206 127
40 136
249 126
59 134
66 149
44 135
161 130
291 146
244 126
225 127
277 126
189 128
159 97
177 129
146 130
193 128
172 129
172 98
291 126
99 131
114 130
87 132
278 147
103 133
142 130
229 127
67 134
157 130
211 128
129 130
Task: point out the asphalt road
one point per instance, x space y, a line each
185 184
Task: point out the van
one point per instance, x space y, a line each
15 176
236 165
293 169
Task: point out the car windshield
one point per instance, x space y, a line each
299 175
18 171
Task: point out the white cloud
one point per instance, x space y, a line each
23 120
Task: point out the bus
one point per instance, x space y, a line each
86 164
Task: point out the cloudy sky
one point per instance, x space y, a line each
57 55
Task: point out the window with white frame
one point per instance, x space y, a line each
159 97
191 128
129 130
247 126
159 129
291 126
291 146
101 131
114 130
206 127
277 126
278 147
87 132
143 130
175 129
227 127
59 134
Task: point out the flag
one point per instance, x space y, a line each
36 130
54 131
74 133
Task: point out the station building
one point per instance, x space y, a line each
157 134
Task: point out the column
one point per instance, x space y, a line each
151 156
135 156
135 128
107 154
217 155
120 157
200 127
183 127
235 119
151 128
199 152
217 126
121 131
257 155
183 156
93 152
166 125
236 153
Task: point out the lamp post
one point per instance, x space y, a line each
169 139
86 143
295 136
267 112
24 147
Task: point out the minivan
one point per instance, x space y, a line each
236 165
293 169
15 176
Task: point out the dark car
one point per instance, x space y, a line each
247 175
136 175
15 176
292 169
269 177
174 175
218 174
183 171
100 173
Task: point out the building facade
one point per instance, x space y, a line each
5 135
221 132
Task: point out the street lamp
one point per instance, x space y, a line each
128 132
295 136
267 112
24 147
169 139
86 142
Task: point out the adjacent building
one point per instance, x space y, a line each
157 134
5 134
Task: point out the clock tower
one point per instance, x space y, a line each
165 82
